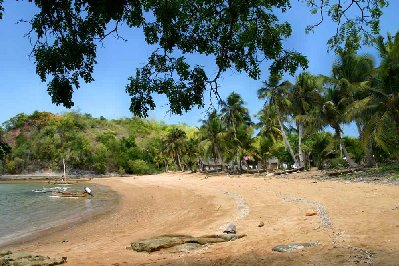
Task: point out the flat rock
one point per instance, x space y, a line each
294 246
179 242
25 259
4 252
155 244
186 247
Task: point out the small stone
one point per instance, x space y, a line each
261 224
310 213
230 229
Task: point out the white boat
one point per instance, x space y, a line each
50 189
63 194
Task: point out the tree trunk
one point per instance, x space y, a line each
359 127
351 162
63 163
180 165
286 141
235 136
300 152
370 162
217 156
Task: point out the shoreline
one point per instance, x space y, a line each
182 203
61 225
42 178
321 175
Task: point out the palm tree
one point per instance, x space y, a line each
175 146
276 95
269 131
211 136
322 148
268 123
237 121
381 106
305 99
191 155
338 98
357 70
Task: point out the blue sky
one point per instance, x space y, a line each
21 91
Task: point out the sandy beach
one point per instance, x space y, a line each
355 222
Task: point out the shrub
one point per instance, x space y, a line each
10 167
121 171
99 168
336 163
140 167
19 165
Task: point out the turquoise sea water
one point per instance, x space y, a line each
23 212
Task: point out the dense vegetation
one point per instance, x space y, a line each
88 145
291 127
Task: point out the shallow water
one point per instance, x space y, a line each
23 212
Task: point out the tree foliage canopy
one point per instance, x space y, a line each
233 33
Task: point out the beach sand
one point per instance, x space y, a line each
355 222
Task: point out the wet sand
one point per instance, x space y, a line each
356 222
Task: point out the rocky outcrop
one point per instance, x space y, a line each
169 241
7 258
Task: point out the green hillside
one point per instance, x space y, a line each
41 141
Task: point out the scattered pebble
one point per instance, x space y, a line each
230 229
310 213
241 205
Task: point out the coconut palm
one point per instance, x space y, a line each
234 112
276 95
269 131
337 100
237 122
268 123
381 106
357 70
322 148
305 99
175 146
211 136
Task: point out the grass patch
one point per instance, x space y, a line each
383 172
387 171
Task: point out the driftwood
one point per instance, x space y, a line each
255 171
343 171
212 168
290 171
